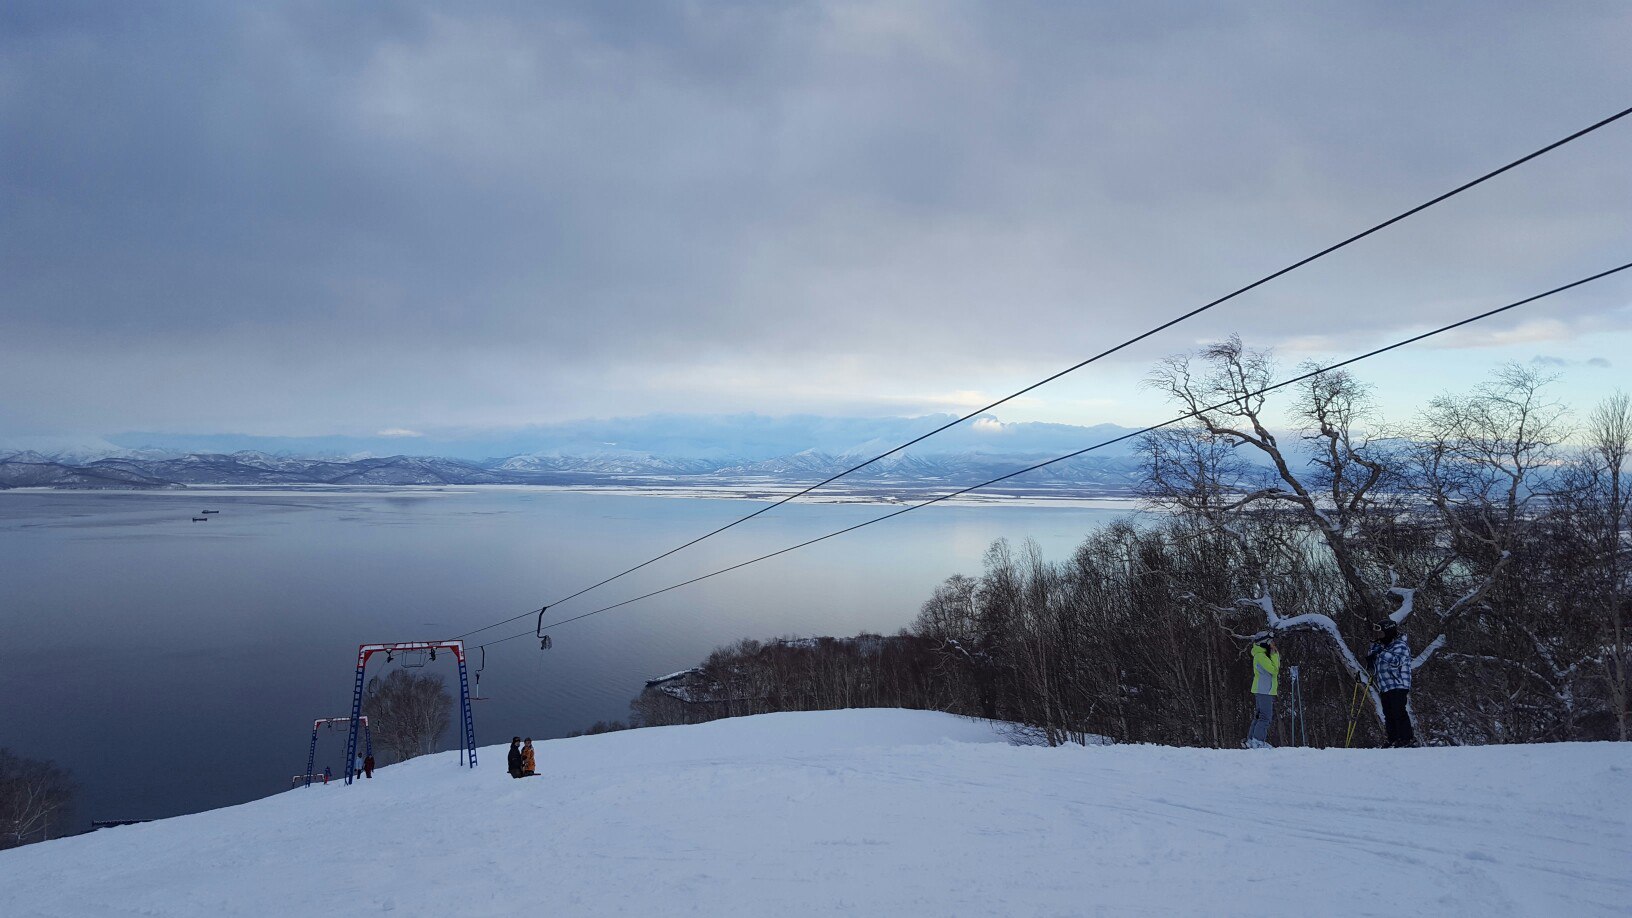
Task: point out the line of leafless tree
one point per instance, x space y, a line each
808 674
1491 529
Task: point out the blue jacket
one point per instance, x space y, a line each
1391 665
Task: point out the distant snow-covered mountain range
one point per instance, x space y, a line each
724 452
896 474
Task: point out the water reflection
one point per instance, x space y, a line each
177 666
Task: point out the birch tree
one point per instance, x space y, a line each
408 712
32 794
1593 557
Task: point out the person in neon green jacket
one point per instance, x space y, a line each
1266 684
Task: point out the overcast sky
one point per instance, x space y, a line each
330 218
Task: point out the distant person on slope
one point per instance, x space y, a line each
1390 660
528 763
515 757
1266 684
368 765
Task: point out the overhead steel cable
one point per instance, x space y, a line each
1087 449
1079 365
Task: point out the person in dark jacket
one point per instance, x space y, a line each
368 765
515 757
1390 662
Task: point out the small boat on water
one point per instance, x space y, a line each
201 519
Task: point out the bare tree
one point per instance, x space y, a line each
1593 505
1481 461
1476 458
1609 445
949 613
31 793
408 712
1330 493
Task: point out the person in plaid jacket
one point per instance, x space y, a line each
1390 660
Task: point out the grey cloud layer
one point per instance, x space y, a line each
314 217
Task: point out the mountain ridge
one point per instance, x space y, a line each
901 472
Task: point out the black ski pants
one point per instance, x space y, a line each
1397 719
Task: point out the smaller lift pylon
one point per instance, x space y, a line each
311 751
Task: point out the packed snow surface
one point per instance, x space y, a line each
884 812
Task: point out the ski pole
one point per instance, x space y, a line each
1292 696
1354 713
1303 719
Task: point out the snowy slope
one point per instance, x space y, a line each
884 812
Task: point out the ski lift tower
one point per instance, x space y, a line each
467 752
311 751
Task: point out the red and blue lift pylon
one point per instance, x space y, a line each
466 720
311 752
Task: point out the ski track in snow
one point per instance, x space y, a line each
883 812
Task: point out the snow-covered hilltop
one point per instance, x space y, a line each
884 812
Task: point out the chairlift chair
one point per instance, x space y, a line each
478 696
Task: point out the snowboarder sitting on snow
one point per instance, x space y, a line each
1390 662
515 757
1266 683
527 760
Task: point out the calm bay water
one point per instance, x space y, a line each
176 666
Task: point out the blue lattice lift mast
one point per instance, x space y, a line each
467 720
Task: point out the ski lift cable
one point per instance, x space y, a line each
1128 436
1077 366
